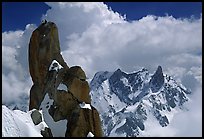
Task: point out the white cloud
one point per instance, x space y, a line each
14 89
135 44
16 81
15 50
77 17
97 38
189 123
8 55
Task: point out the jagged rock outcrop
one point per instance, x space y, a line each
43 48
62 93
157 80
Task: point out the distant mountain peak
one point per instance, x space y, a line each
118 71
159 71
126 100
157 80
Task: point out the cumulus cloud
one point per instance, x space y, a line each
16 81
148 42
189 123
97 38
77 17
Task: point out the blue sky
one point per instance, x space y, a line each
136 10
16 15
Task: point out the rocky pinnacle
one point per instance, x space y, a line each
65 86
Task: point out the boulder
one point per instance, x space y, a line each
75 79
46 132
36 117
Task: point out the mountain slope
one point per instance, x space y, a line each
127 101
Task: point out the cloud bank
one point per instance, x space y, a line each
97 38
16 81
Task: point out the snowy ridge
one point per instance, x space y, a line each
129 103
16 123
99 78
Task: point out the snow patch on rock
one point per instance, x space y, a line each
55 66
62 87
83 105
90 134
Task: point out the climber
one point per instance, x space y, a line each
44 21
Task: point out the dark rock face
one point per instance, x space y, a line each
157 80
66 87
133 83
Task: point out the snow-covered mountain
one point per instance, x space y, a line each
128 103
